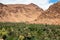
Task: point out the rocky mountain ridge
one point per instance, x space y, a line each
19 12
51 15
30 13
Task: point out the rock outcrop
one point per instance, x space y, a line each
51 15
30 13
19 12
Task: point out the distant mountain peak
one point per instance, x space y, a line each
50 16
32 4
1 4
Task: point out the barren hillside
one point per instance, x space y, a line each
30 13
19 12
50 16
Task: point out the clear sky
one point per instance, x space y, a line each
41 3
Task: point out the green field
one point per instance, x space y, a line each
22 31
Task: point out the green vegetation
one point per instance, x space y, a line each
22 31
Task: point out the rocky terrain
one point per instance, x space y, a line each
19 12
30 13
51 15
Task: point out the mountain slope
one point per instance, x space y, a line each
50 16
30 13
19 12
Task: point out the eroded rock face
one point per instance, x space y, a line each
54 11
19 12
50 16
30 13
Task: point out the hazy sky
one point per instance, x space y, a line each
42 3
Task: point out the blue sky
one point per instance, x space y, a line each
53 1
44 4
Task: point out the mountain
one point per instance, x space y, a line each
19 12
54 11
30 13
50 16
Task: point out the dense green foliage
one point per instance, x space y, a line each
22 31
